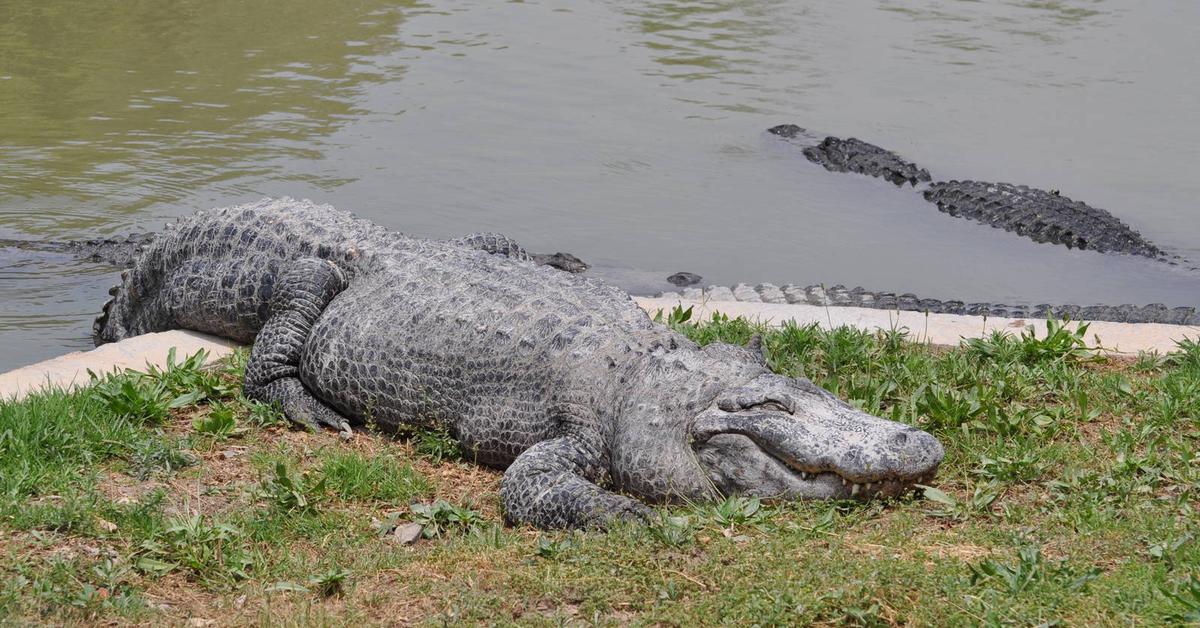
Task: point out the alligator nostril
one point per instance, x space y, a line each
921 446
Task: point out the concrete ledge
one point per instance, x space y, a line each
939 329
70 370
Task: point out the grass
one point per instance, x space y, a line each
1068 496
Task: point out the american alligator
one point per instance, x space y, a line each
840 295
561 380
1042 216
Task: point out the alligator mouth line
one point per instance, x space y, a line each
845 486
826 483
885 487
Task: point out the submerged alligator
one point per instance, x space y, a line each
559 379
1042 216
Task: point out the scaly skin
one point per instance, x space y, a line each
854 155
591 407
1040 216
839 295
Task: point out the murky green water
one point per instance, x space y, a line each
629 133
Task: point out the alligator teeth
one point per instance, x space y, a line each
854 490
845 481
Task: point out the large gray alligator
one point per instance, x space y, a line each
561 380
1040 215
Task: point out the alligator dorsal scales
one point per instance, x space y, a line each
1040 216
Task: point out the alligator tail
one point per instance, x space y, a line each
121 251
105 327
113 323
839 295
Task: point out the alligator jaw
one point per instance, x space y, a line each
774 454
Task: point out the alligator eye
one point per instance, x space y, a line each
771 405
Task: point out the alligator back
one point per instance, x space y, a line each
1039 215
854 155
489 347
214 271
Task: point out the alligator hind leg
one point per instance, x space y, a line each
303 290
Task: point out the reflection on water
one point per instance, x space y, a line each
627 132
115 107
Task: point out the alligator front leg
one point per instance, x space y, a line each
553 485
303 290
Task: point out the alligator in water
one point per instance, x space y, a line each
559 379
1042 216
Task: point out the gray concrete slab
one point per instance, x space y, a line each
939 329
71 370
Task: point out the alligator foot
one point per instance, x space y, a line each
552 485
305 288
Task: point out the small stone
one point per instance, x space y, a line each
407 533
746 292
200 622
667 295
693 294
106 525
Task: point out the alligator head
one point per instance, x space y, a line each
735 428
787 438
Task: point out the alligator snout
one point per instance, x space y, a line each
824 448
